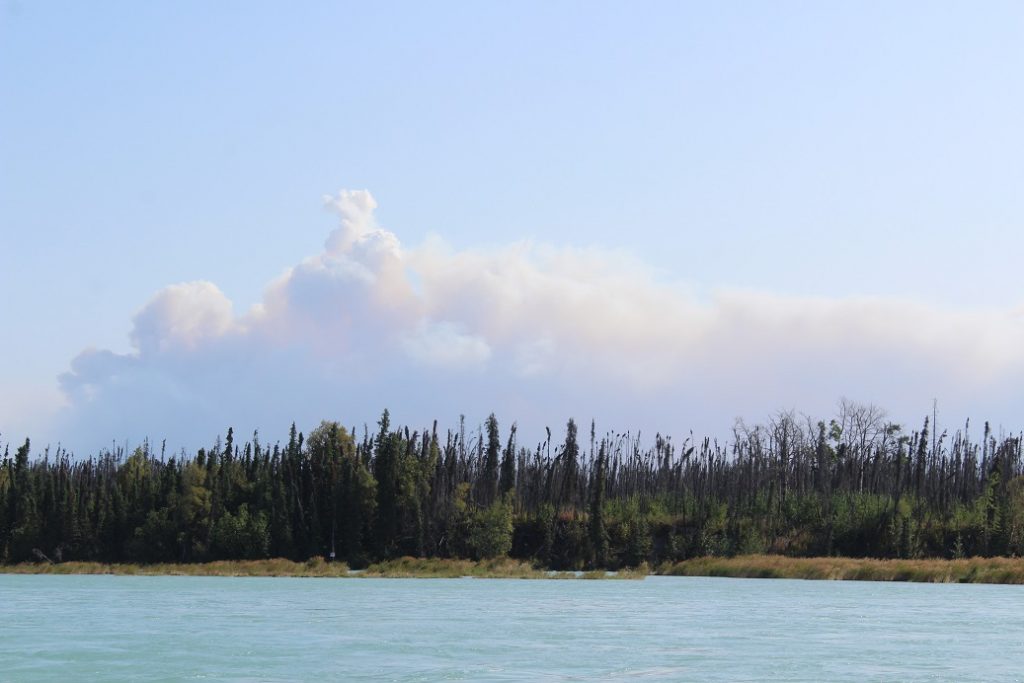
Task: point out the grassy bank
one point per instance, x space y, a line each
499 568
275 567
974 570
405 567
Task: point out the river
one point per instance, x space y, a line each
78 628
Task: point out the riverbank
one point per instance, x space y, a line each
501 568
1002 570
405 567
975 570
274 567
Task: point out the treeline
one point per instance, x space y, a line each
857 486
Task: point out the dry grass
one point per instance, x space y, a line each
405 567
435 568
498 568
974 570
275 567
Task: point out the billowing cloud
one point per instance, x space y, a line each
182 317
532 331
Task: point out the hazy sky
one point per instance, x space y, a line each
659 215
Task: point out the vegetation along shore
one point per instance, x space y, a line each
974 570
403 567
784 498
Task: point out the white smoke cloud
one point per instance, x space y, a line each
183 317
534 332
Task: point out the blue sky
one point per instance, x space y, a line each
829 159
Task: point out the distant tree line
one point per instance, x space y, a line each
857 486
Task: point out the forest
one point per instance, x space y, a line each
856 486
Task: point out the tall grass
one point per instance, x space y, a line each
404 567
498 568
274 567
974 570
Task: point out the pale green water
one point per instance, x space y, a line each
84 628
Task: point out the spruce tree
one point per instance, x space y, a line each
489 483
598 533
508 464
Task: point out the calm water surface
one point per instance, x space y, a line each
83 628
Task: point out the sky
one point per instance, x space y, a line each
662 216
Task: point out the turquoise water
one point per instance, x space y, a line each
84 628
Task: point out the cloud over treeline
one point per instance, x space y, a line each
534 332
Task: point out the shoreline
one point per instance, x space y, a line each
996 570
991 570
401 568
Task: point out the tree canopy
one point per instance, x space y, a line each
856 486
